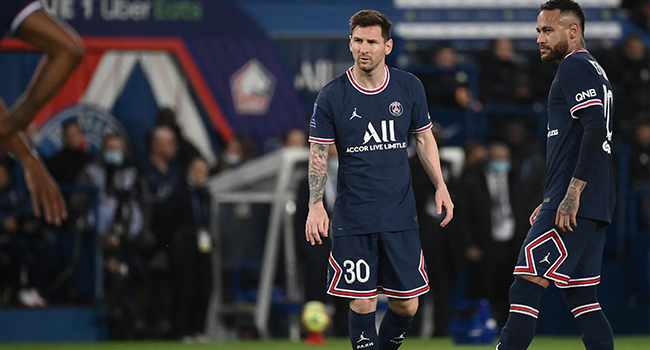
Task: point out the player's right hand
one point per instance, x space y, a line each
533 216
317 224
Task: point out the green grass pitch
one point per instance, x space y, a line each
539 343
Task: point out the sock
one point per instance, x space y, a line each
596 331
393 330
363 334
525 297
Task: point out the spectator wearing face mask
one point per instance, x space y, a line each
153 292
120 219
487 205
188 221
239 150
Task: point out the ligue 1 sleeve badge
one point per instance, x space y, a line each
396 109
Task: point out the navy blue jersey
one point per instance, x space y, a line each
14 12
580 82
371 131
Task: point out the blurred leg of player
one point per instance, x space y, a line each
63 52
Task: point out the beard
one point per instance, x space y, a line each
367 67
557 52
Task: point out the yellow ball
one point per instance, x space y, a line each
315 318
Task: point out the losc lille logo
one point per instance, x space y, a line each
252 88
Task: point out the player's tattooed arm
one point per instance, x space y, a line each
568 209
317 172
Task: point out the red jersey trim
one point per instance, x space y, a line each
363 90
422 129
575 52
321 140
585 104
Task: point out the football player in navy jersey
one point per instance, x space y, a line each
565 243
369 114
63 51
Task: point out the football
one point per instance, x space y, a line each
315 318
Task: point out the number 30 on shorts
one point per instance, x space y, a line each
356 272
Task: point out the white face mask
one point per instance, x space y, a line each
500 166
332 166
231 159
114 157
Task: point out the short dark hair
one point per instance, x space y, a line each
566 6
369 18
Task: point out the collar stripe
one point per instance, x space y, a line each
575 52
369 91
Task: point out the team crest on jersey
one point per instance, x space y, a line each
396 109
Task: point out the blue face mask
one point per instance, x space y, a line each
500 166
113 157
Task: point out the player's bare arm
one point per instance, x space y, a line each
427 149
62 50
566 216
317 221
43 190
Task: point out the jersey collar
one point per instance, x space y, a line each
369 91
575 52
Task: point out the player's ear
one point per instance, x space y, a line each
574 30
389 47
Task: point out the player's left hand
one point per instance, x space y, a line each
44 193
567 212
443 200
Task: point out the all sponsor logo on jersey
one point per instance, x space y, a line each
384 139
396 109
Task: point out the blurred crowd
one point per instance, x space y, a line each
153 219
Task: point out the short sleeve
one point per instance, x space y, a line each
321 125
420 119
580 84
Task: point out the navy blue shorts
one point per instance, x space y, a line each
361 266
570 259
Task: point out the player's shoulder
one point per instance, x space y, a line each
335 85
402 75
578 62
407 81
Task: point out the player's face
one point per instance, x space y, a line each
369 48
553 38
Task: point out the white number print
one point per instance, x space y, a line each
608 100
599 69
356 272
